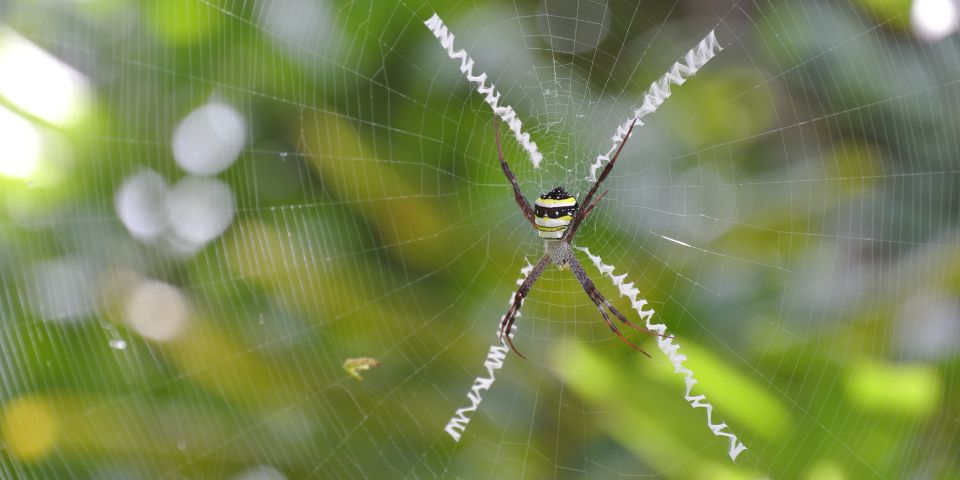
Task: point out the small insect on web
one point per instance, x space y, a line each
354 366
556 215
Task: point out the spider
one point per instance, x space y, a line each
556 215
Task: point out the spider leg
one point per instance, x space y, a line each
631 324
610 306
507 323
594 204
506 327
599 300
518 196
593 190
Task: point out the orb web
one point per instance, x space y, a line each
227 201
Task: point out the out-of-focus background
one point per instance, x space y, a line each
208 206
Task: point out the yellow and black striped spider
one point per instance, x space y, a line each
556 216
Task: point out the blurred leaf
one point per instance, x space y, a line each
895 13
737 399
639 419
910 390
182 21
409 222
30 428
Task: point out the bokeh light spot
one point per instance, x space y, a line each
39 83
157 311
934 20
29 428
209 139
200 210
141 204
186 216
20 145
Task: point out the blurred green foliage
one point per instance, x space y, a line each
812 164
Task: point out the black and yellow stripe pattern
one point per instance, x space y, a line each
554 211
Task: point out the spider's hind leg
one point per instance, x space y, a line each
629 323
600 301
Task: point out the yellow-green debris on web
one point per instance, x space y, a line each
354 366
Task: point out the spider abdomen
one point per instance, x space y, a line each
554 211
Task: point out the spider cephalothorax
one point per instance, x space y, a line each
556 215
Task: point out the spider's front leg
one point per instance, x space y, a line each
594 204
587 201
517 195
507 323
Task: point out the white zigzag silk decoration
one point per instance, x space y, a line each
659 91
488 90
494 361
670 349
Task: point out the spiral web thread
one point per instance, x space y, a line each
659 91
669 348
488 90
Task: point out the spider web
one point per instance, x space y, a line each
258 191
